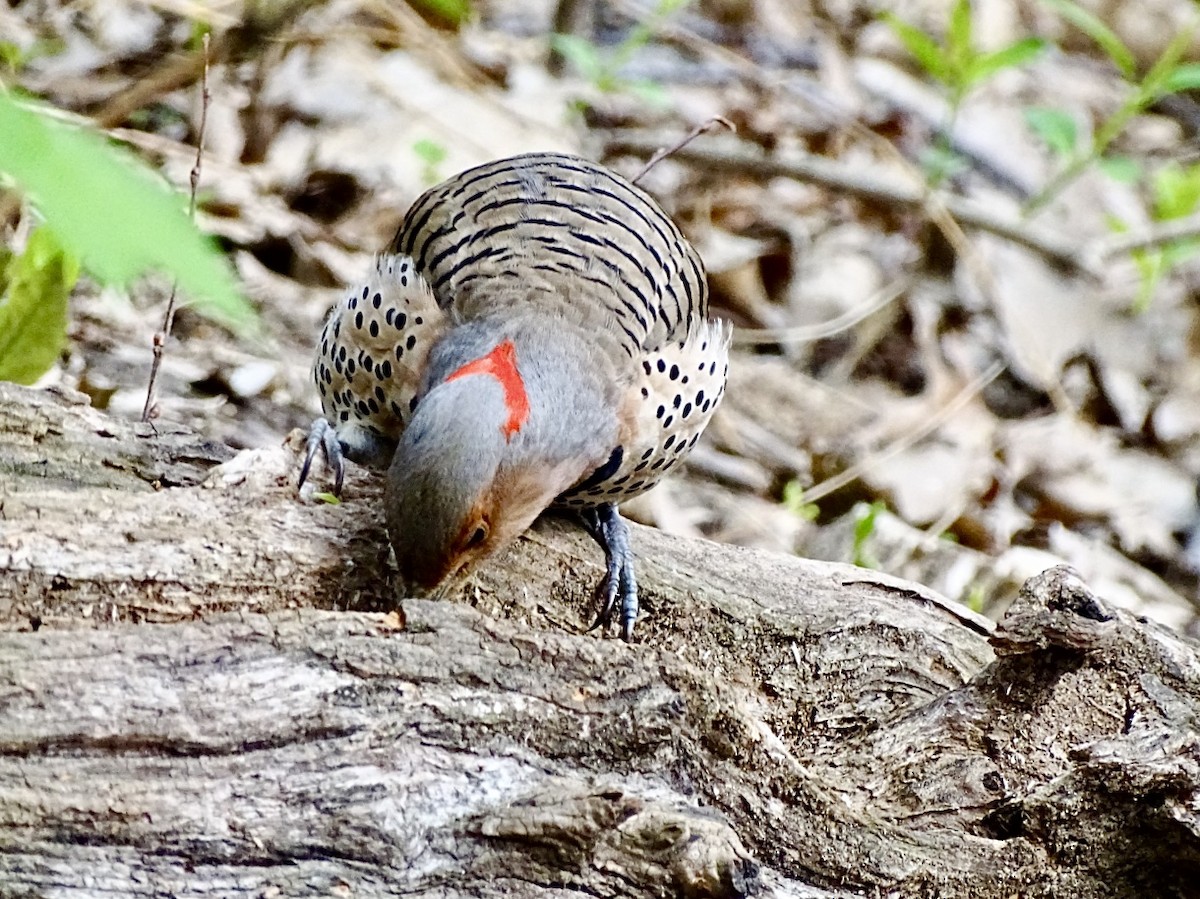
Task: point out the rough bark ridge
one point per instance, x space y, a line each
202 693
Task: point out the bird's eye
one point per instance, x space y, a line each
478 535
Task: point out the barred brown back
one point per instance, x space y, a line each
566 229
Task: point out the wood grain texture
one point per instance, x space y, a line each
210 690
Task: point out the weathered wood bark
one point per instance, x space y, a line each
202 693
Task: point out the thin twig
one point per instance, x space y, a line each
160 338
1158 235
854 472
808 333
737 156
662 154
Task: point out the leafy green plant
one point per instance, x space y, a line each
960 66
432 154
111 212
603 67
793 500
864 528
1168 75
1175 193
33 307
456 12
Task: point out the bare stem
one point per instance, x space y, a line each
660 155
160 338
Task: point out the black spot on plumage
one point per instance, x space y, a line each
418 320
699 397
667 422
362 409
645 393
385 368
621 480
327 375
366 292
692 442
389 315
411 342
685 379
669 441
674 375
358 319
380 395
403 278
396 410
412 404
677 401
344 415
353 304
647 454
646 366
399 351
662 410
662 365
687 410
401 320
373 406
342 354
605 471
637 485
374 328
350 369
366 362
658 463
377 300
641 465
704 406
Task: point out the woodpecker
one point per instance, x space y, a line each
536 334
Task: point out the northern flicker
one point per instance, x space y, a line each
536 334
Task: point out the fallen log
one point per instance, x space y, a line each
208 687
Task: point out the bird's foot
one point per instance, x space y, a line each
323 436
608 528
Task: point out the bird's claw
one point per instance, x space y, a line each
608 528
323 436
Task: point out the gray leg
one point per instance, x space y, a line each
608 528
323 436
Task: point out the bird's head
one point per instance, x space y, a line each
468 476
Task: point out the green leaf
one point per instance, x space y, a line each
330 498
582 54
109 210
959 46
1155 83
794 502
1122 169
864 527
1019 53
1055 127
1184 77
429 151
1176 191
456 12
1121 56
651 93
33 310
921 47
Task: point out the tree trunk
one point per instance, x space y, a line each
207 688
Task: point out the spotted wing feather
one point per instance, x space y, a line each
371 354
670 403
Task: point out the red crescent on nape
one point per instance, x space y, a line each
501 364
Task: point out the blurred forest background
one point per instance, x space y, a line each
959 241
